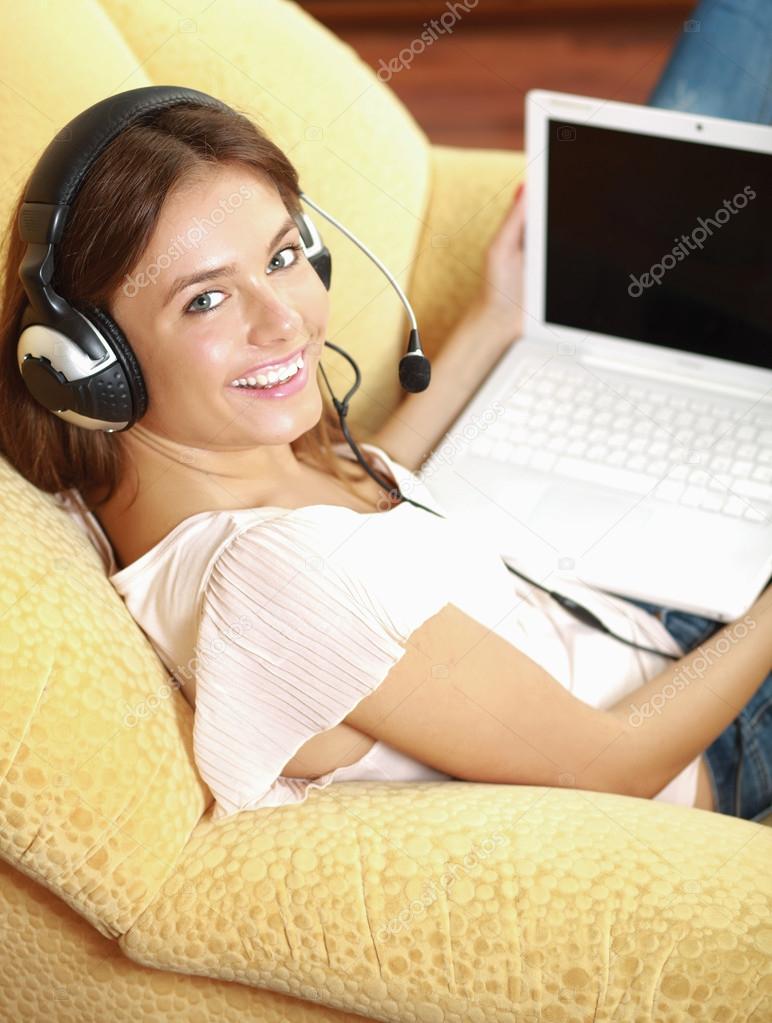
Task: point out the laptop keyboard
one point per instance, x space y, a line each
694 449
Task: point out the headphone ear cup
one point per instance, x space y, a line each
322 263
123 353
317 253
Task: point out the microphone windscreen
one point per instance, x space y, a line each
415 372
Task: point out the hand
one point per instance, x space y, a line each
500 303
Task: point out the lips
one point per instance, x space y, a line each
265 367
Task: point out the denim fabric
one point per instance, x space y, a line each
740 759
720 65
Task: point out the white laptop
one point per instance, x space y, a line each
626 439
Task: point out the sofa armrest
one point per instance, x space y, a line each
471 191
455 900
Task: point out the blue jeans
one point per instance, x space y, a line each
722 66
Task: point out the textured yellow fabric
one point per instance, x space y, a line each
55 968
472 189
96 810
422 902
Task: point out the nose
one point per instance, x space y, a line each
271 319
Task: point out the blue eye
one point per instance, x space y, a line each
297 247
209 309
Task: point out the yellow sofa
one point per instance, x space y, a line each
121 900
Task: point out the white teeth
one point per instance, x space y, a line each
273 376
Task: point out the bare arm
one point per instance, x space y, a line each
470 704
674 717
493 322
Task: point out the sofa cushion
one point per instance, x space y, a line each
96 800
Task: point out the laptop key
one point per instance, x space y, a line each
576 447
692 497
712 501
597 453
746 432
734 506
543 460
757 515
753 488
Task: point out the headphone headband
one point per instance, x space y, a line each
77 363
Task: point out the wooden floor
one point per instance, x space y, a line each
467 86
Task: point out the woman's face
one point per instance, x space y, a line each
268 306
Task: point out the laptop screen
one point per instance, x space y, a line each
660 240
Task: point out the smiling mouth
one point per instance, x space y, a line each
274 373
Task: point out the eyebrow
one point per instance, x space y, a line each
220 271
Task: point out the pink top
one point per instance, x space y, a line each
277 622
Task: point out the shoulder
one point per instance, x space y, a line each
260 555
320 572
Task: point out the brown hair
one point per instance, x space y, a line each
103 240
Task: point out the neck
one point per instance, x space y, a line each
244 474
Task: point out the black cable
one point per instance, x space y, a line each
578 611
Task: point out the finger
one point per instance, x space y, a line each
520 222
511 231
510 235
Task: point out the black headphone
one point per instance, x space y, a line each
77 362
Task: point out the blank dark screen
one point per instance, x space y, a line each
622 205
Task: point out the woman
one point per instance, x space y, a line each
317 638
